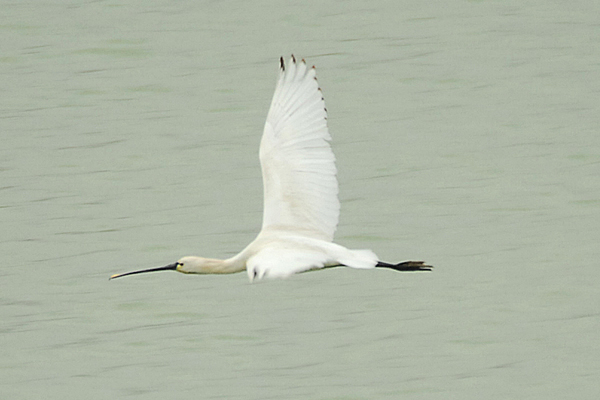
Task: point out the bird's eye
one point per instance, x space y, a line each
179 264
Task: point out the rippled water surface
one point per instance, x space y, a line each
467 135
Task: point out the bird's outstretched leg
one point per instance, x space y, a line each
406 266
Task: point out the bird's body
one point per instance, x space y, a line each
301 206
278 254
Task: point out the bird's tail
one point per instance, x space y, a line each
405 266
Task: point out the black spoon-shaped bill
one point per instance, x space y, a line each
170 267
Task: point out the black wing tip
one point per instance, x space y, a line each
293 60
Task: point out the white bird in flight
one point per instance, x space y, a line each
301 206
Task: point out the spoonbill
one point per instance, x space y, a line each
301 207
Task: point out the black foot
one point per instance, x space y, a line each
406 266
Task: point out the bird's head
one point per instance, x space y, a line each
195 265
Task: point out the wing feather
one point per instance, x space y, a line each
298 165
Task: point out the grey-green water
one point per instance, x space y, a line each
467 135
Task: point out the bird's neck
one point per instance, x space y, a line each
228 266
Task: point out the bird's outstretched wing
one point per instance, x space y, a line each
298 165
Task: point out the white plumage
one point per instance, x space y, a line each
298 166
301 206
